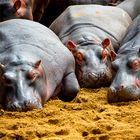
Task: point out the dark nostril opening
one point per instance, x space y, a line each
120 88
28 105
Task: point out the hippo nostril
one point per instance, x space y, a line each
120 88
28 105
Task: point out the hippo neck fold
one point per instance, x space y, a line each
84 25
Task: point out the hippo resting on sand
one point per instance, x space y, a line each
93 34
126 83
34 66
56 7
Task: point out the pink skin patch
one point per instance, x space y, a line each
137 82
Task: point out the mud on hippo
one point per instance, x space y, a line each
34 66
126 83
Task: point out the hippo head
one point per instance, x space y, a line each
126 83
10 9
93 63
21 86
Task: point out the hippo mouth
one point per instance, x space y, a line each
130 93
23 106
92 80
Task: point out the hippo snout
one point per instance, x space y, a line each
123 93
23 106
95 80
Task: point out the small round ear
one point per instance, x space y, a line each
71 46
106 42
37 64
17 4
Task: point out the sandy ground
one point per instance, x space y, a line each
87 117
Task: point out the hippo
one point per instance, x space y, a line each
126 82
93 34
24 9
43 11
34 66
56 7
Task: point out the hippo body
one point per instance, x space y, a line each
56 7
24 9
34 66
126 83
44 11
94 32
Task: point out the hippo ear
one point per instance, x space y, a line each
71 46
37 64
17 4
1 68
113 55
106 42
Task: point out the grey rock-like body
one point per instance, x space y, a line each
126 83
92 33
34 66
56 7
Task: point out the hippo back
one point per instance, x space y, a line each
35 41
108 18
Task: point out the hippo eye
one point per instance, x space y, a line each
134 65
32 75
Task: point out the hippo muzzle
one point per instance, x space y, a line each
93 64
126 82
20 87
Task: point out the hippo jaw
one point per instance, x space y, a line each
21 86
16 101
96 79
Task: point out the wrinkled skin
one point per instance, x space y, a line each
86 31
24 9
93 67
126 83
32 66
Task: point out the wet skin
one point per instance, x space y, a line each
126 83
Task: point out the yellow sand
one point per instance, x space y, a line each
87 117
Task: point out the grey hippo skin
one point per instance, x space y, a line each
36 9
93 34
56 7
126 83
34 66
